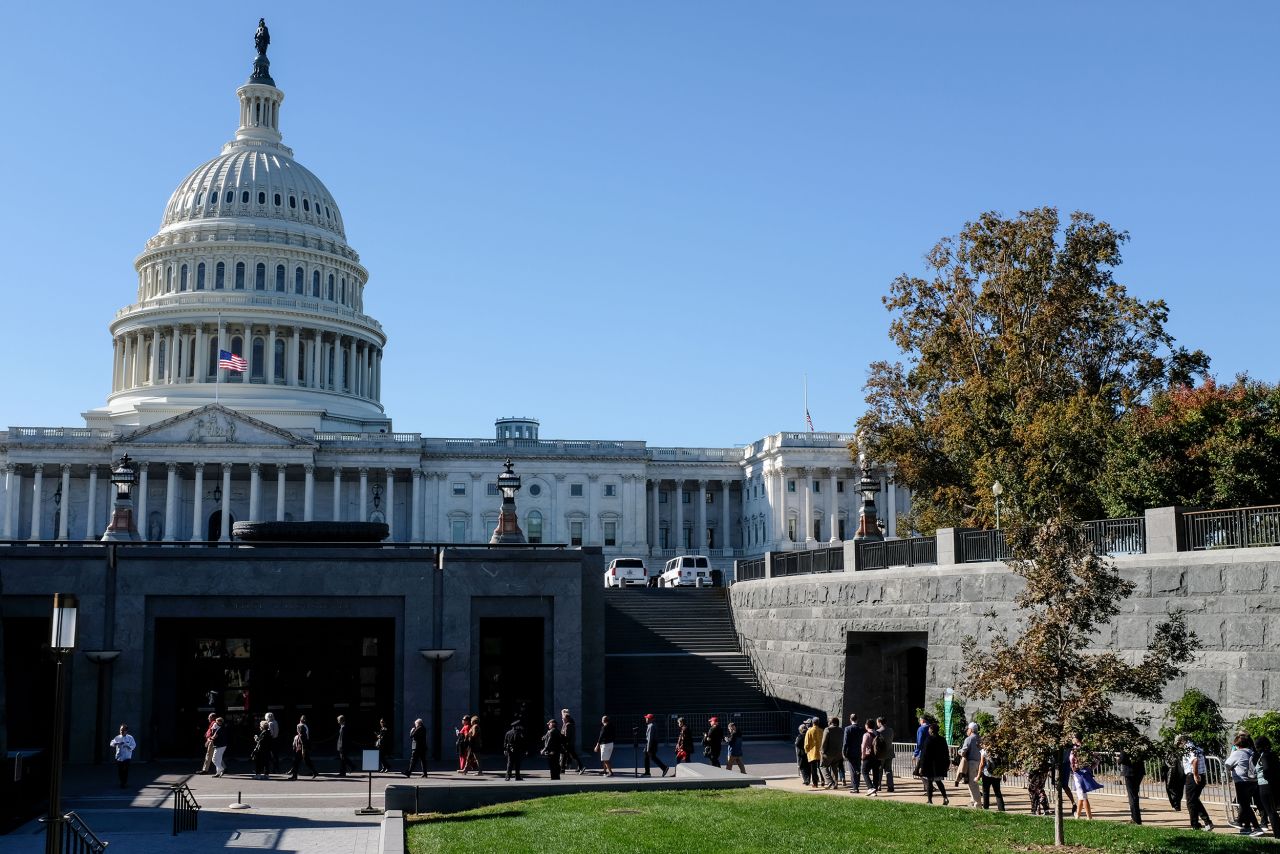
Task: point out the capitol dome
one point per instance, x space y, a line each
251 261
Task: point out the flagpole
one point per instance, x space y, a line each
217 366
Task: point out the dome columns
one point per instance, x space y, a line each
259 112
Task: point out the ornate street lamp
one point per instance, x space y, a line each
997 490
123 526
508 530
868 527
62 641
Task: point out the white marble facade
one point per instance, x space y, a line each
252 257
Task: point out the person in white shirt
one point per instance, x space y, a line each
124 745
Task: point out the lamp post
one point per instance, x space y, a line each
122 525
508 530
62 642
997 490
868 527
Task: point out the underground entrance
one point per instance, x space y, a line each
885 677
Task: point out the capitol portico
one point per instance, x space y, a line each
251 258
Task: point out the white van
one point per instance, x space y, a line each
684 571
625 570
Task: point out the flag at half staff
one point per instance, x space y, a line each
232 362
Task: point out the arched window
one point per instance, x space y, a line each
200 276
277 199
182 278
237 347
163 351
315 284
239 275
279 360
299 280
168 280
533 526
306 206
260 277
244 197
259 359
327 215
212 366
213 197
231 197
262 197
280 277
219 276
331 286
293 201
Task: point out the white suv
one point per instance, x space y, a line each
625 570
685 571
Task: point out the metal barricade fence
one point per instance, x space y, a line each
77 838
186 812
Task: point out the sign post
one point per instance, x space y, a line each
370 761
946 711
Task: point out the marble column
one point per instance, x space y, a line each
255 492
37 490
833 511
295 359
364 495
625 537
309 493
171 356
199 358
140 505
225 535
415 507
442 532
391 505
91 507
269 374
806 483
592 535
197 513
783 533
13 498
280 474
677 524
477 518
65 510
726 535
655 535
170 502
337 494
154 369
701 538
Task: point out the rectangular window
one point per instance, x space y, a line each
575 533
662 499
491 488
711 538
688 537
610 533
686 497
459 530
459 488
791 486
664 536
791 530
839 486
575 490
610 490
817 529
817 486
711 498
842 536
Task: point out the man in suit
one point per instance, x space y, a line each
569 729
1132 771
417 748
344 761
651 747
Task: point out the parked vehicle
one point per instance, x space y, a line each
625 570
685 571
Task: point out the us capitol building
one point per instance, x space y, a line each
252 258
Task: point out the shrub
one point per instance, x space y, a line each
1266 723
1196 715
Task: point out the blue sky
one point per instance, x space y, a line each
645 220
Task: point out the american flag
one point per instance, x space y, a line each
806 418
232 362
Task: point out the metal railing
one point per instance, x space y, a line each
1240 527
186 812
808 562
749 570
78 838
979 546
912 551
1126 536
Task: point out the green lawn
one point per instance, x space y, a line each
772 822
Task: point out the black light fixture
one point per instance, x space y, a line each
124 477
508 531
62 641
122 527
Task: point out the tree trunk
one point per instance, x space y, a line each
1058 836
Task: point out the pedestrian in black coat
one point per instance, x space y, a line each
569 729
417 748
513 747
935 760
382 741
651 747
713 742
1132 771
553 748
343 746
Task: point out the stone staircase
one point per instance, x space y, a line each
676 652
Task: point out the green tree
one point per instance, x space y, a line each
1021 353
1045 682
1196 715
1211 446
1264 723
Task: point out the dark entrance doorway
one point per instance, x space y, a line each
215 525
243 668
511 676
885 677
28 682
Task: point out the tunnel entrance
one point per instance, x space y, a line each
885 677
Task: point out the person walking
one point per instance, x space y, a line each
832 752
802 758
1082 777
852 751
461 734
885 753
552 747
569 729
1245 777
1036 778
221 738
124 744
273 744
300 756
382 743
261 750
813 752
870 765
970 758
343 746
207 768
935 761
1132 771
684 741
651 747
922 733
733 744
1264 763
992 774
473 746
417 748
513 749
713 742
604 745
1065 777
1193 766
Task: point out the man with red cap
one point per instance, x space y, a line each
713 742
651 747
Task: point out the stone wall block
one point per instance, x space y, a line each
1243 578
1243 633
1204 579
1245 688
1208 628
1167 580
1132 632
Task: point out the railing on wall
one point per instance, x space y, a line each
78 838
808 562
749 570
1240 527
912 551
1125 536
977 546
